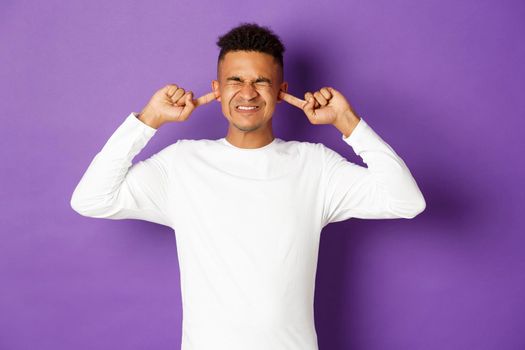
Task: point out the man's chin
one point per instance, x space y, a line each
246 127
247 115
246 122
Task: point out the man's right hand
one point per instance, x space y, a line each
171 104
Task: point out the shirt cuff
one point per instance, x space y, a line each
357 134
136 122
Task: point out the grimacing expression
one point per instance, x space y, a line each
248 79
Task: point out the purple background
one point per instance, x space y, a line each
441 81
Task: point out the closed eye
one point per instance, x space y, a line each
261 81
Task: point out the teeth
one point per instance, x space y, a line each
247 108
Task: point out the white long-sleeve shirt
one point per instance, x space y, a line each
247 222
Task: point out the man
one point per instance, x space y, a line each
248 208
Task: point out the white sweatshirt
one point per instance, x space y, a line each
247 222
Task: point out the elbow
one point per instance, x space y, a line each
416 207
94 204
409 210
78 204
88 206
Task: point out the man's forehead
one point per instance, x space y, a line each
243 63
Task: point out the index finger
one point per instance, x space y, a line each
210 96
295 101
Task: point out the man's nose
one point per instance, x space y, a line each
248 91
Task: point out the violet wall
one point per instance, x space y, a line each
441 81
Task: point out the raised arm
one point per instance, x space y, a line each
385 189
114 188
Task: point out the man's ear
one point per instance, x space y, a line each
215 88
282 87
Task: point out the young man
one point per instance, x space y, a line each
248 208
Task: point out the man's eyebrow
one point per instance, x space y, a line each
259 79
236 78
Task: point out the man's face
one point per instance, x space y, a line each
249 79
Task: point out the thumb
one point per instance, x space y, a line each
309 107
189 106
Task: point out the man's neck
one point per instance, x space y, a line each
249 140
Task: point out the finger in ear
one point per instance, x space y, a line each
280 96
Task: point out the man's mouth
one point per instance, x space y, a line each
247 107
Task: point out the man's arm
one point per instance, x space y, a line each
386 189
383 190
113 188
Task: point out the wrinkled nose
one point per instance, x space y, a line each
248 91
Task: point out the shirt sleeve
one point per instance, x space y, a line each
385 189
113 188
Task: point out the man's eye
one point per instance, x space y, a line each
257 83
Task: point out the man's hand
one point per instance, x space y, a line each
171 104
326 106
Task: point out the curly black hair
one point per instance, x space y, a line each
251 37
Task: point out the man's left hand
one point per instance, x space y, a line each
325 106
